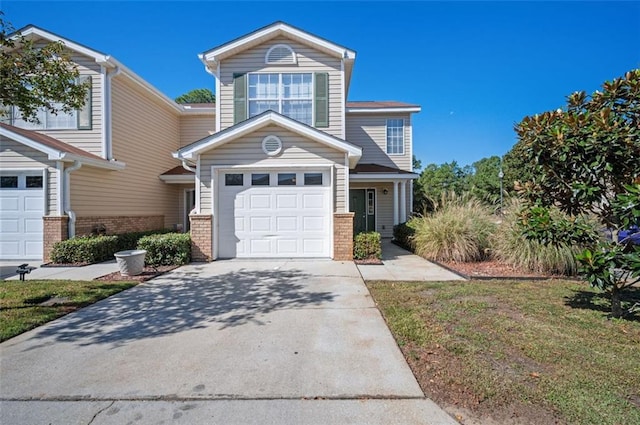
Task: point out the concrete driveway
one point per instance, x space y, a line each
226 342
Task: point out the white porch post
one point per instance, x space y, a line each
395 203
411 196
403 201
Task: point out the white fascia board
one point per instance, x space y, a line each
53 154
212 55
382 110
97 56
179 178
386 177
215 140
98 163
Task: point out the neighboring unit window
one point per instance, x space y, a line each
313 179
287 93
48 120
9 182
280 54
287 179
34 182
261 179
233 180
395 136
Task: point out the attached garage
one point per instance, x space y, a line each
22 206
274 213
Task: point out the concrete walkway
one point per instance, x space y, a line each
90 272
402 265
229 342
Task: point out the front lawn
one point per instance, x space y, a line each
21 306
510 352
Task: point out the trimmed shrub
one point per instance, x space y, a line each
86 249
459 229
367 245
130 240
166 249
553 255
403 234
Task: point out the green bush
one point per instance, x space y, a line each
459 229
367 245
130 240
86 249
403 234
554 254
166 249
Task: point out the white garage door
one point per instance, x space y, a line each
21 211
273 214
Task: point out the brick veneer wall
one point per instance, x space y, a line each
201 237
343 236
119 224
55 229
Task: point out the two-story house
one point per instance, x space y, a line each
284 166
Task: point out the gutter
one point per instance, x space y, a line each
67 198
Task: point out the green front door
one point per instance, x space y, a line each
362 204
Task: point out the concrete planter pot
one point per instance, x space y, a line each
131 262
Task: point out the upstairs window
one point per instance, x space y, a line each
280 54
395 137
290 94
48 120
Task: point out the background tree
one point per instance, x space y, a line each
417 164
584 160
36 77
484 182
436 179
197 96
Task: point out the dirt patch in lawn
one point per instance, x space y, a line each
148 273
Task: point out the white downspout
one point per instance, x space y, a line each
67 197
186 167
107 150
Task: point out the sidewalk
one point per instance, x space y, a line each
90 272
402 265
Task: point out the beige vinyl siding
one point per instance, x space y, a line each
384 205
309 60
89 140
296 150
14 155
196 127
145 133
369 131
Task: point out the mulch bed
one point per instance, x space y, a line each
494 269
369 261
148 273
65 264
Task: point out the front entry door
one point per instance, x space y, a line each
362 203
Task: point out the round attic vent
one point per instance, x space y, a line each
271 145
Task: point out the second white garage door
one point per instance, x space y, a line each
273 214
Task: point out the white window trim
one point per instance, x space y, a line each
281 97
286 46
387 137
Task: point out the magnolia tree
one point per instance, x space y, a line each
584 159
35 77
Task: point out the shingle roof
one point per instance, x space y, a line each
380 104
376 168
177 171
51 142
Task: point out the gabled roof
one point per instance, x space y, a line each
371 106
212 58
266 118
108 61
56 149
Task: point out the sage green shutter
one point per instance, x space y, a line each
239 98
85 119
322 99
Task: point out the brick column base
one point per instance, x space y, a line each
201 237
343 236
55 229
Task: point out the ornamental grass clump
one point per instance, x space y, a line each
458 229
555 254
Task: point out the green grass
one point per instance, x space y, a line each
19 309
547 345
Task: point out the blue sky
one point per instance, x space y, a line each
477 68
